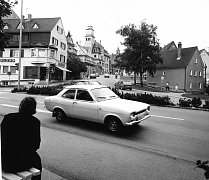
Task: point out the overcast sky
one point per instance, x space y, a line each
185 21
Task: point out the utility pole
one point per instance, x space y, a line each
20 46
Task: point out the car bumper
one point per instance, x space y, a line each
137 121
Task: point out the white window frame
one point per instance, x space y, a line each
190 85
33 52
190 73
195 61
200 74
195 73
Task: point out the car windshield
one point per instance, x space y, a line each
103 94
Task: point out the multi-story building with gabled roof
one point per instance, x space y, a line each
43 51
94 54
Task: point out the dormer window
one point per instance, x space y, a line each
18 27
6 26
35 26
190 72
195 61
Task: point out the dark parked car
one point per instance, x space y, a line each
124 85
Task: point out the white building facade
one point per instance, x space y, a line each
43 51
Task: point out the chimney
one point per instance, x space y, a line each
29 17
179 51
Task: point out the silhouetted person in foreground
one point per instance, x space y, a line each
20 139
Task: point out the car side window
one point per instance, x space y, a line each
70 94
83 95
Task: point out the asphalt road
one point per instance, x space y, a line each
163 147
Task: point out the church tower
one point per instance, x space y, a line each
89 38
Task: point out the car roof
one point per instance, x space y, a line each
81 86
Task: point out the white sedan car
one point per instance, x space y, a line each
96 103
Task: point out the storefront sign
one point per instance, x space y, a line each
7 60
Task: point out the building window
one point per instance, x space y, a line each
59 30
33 53
30 72
95 55
1 53
13 53
63 46
200 85
54 41
35 26
62 58
41 53
5 69
52 54
6 26
16 38
195 73
163 73
190 72
190 85
200 73
195 61
13 69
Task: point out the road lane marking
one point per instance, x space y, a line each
179 119
38 110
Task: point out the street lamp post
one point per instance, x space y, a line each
20 46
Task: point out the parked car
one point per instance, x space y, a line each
85 82
96 103
93 76
106 75
121 84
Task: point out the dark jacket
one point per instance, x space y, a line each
20 139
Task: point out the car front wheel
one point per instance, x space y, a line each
60 115
114 125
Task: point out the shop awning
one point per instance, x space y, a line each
63 69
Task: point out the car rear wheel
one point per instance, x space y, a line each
114 125
60 115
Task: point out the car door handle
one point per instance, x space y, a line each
74 102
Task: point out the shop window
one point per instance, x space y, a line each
41 53
13 69
33 53
30 72
5 69
13 53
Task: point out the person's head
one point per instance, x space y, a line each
28 106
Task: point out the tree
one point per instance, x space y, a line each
142 49
5 10
75 65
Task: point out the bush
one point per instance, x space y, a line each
22 89
183 102
196 102
146 98
45 90
206 105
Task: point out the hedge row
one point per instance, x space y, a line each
146 98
